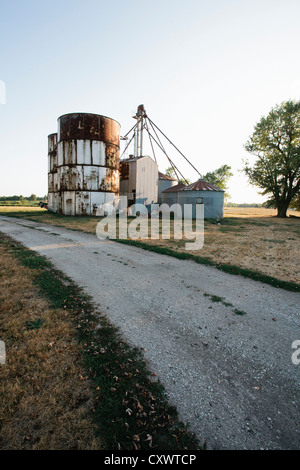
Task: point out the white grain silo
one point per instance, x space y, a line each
87 164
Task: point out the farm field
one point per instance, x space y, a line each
250 238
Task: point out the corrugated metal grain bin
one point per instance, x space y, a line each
164 182
200 192
170 196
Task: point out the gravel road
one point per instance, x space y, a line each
230 375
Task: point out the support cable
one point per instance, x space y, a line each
162 148
147 129
170 161
130 130
127 146
164 151
175 147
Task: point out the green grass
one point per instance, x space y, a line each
239 312
35 324
273 240
227 268
216 298
132 410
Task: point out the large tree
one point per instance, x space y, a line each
276 144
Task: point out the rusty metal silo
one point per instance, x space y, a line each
88 148
52 172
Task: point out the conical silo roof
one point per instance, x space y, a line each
201 185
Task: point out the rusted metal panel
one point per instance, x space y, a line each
86 178
91 178
85 126
69 178
110 181
53 163
69 152
110 130
202 185
50 183
112 156
52 143
55 181
115 181
52 152
82 203
124 170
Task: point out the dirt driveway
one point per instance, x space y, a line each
221 344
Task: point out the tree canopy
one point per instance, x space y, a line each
219 177
171 172
275 143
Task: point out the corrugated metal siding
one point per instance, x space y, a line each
213 202
202 185
146 181
164 184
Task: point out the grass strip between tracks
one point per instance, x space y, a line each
227 268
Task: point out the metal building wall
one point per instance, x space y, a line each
87 164
146 181
139 180
213 202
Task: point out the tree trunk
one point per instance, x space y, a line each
282 208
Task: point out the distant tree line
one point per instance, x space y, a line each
244 204
33 199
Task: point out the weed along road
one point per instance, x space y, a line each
220 344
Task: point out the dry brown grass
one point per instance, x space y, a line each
259 241
252 239
44 396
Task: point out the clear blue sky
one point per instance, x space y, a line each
206 72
